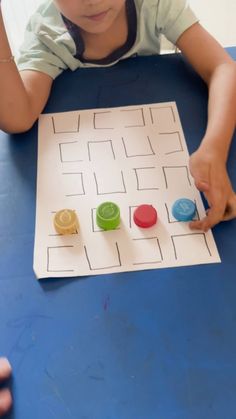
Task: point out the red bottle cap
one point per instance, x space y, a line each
145 216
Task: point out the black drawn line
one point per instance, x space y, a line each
98 142
187 235
130 214
48 259
168 216
164 168
111 192
104 267
92 212
142 117
94 229
94 120
180 142
162 107
137 179
159 248
82 183
65 132
138 155
53 125
198 216
61 152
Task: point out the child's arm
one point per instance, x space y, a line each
208 163
23 95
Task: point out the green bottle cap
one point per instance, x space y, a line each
108 216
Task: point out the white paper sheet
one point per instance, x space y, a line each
131 156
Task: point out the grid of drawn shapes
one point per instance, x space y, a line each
176 175
147 250
109 182
70 152
170 142
61 259
147 178
138 145
73 184
103 120
98 149
69 125
132 118
190 247
172 219
103 259
163 117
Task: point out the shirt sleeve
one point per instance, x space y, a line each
173 18
37 56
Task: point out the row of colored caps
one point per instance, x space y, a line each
108 216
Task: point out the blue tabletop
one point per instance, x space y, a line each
158 344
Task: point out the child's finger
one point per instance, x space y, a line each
230 211
213 216
5 369
5 401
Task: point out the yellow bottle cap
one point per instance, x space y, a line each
66 222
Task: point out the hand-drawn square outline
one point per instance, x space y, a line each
109 193
197 217
94 120
105 267
65 132
159 247
186 235
176 167
142 116
48 259
137 179
180 142
161 107
82 183
98 142
138 155
61 152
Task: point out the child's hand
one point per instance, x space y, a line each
210 176
5 395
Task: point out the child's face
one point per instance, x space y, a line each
92 16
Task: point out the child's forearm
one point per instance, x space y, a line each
14 102
221 110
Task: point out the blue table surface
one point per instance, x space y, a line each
158 344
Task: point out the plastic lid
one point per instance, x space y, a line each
145 216
108 216
66 222
184 209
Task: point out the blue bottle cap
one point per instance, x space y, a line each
184 209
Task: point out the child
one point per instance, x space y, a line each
5 395
83 33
